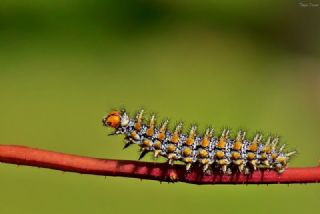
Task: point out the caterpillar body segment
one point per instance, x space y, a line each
209 150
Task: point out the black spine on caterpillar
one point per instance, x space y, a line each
221 152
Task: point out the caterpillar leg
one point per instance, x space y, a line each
223 165
146 146
127 143
188 161
279 168
143 153
247 171
250 167
205 164
253 164
172 158
265 164
188 166
157 153
241 167
205 167
239 164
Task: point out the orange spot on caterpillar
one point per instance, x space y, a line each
222 143
146 143
251 156
236 155
253 147
203 153
157 144
150 132
263 156
175 138
219 154
188 160
189 141
171 148
237 145
137 126
187 151
205 142
274 155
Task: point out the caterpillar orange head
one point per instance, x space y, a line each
116 119
113 119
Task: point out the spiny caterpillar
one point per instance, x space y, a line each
222 153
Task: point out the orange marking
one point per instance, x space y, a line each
274 156
157 144
137 126
189 141
223 162
171 148
187 152
253 147
204 161
220 154
187 160
161 136
205 142
237 145
263 156
251 156
203 153
150 132
146 142
235 155
175 138
222 143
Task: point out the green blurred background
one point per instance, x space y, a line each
65 64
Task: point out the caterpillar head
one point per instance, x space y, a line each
115 119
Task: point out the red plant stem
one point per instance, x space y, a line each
22 155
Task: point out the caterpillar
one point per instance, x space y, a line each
222 153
